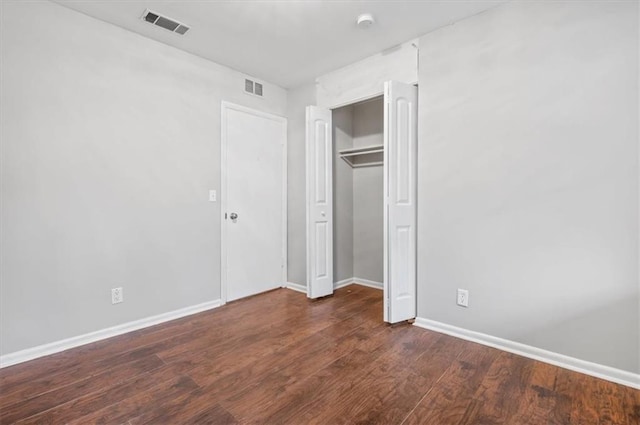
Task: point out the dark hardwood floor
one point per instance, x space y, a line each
278 358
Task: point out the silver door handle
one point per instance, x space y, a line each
233 216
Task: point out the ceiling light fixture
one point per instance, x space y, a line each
365 20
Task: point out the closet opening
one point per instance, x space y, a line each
361 177
358 193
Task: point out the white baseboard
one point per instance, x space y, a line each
357 281
296 287
343 283
369 283
340 284
65 344
582 366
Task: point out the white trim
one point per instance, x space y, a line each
385 207
307 199
370 283
65 344
223 202
343 283
582 366
353 101
285 204
296 287
339 284
223 186
357 281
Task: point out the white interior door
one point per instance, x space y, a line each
319 153
253 201
400 182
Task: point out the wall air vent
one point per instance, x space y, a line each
253 87
164 22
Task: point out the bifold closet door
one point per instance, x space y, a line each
400 181
319 153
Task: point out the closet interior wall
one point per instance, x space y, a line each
358 194
342 195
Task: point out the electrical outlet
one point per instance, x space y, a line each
463 298
117 295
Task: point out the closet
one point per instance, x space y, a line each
358 192
361 182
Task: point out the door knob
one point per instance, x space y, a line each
233 216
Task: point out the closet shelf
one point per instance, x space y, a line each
368 156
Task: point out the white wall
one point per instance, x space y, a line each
297 100
110 143
528 177
368 191
365 79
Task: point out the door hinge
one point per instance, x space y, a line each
225 216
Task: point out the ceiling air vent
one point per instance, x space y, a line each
253 87
164 22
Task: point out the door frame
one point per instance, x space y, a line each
226 106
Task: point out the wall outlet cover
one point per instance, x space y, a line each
116 295
463 298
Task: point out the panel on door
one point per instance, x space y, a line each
254 199
400 180
319 202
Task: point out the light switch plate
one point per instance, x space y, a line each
213 196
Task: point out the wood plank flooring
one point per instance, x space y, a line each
278 358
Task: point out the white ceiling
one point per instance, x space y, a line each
286 42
